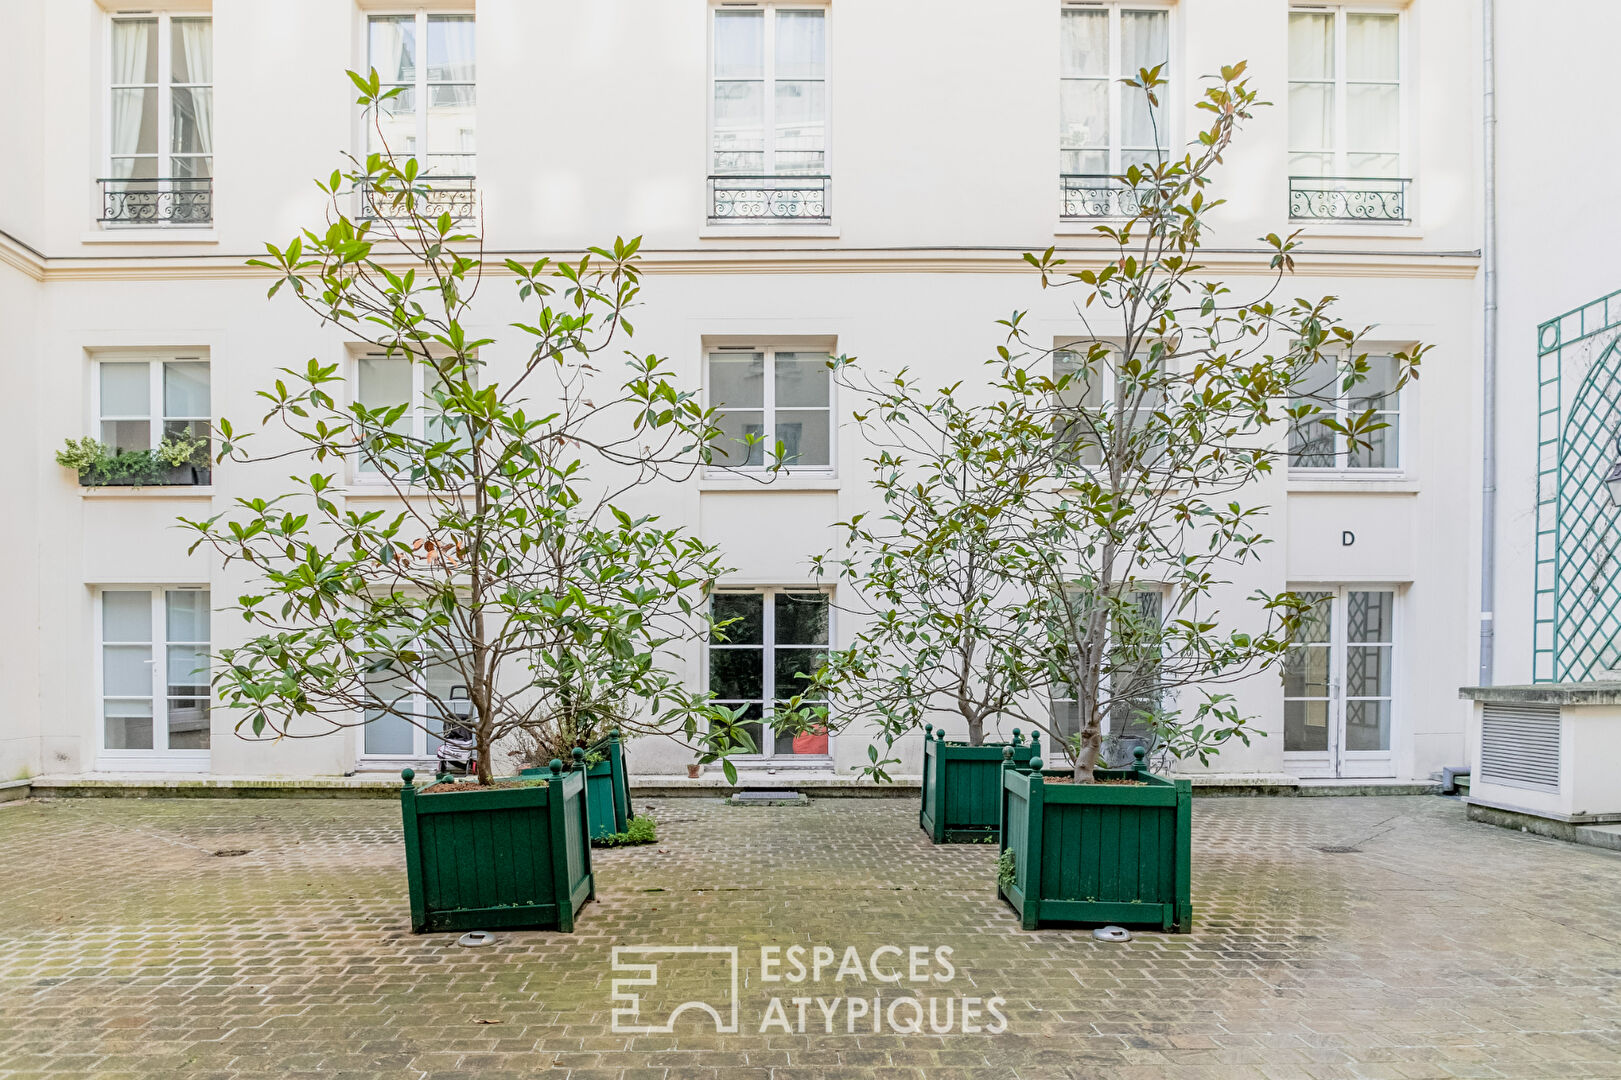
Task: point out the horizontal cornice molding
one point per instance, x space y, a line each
19 256
787 260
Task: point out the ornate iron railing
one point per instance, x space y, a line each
435 195
768 198
172 201
1347 198
1096 195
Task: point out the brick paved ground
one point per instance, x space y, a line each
1438 949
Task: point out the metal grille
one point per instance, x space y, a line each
1083 195
1577 634
1519 745
768 198
1347 198
176 201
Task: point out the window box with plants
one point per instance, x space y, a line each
178 461
962 786
1117 850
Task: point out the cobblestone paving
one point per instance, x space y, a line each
1434 948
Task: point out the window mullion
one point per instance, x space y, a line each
420 74
768 91
160 658
768 681
165 106
1341 92
768 398
154 376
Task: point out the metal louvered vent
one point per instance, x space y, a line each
1519 745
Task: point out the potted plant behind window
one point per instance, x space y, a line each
496 543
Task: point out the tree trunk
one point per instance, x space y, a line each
976 731
1091 748
485 750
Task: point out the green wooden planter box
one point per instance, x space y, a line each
1089 853
498 859
607 786
962 787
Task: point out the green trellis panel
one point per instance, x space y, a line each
1577 634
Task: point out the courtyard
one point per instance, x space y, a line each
1334 937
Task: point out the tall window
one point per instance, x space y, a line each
770 396
1088 415
1105 127
139 403
774 639
433 119
407 716
155 689
1134 686
1345 111
768 117
1312 445
382 380
160 126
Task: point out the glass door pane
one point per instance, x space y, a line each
1306 678
801 640
1369 653
126 669
187 676
737 658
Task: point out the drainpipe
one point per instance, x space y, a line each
1488 427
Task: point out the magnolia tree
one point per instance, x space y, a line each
1056 551
496 571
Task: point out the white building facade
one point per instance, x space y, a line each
854 177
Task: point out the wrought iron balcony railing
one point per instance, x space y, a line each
1347 198
434 195
768 198
174 201
1095 195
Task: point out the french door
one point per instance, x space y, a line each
773 640
1339 685
154 678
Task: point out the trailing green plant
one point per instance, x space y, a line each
181 449
1006 868
84 454
638 830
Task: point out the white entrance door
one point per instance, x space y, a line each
1338 685
155 691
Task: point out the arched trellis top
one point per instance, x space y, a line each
1578 539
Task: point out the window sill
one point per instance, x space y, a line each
153 235
764 483
1385 483
769 230
1355 230
155 491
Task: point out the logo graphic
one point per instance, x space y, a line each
700 978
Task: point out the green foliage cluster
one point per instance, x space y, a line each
638 830
1055 540
1006 867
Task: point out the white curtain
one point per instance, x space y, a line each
195 40
132 39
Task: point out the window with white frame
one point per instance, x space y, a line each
1085 416
1313 445
155 675
768 396
771 642
1104 126
141 401
160 120
430 59
1134 690
768 112
381 381
1345 114
409 709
